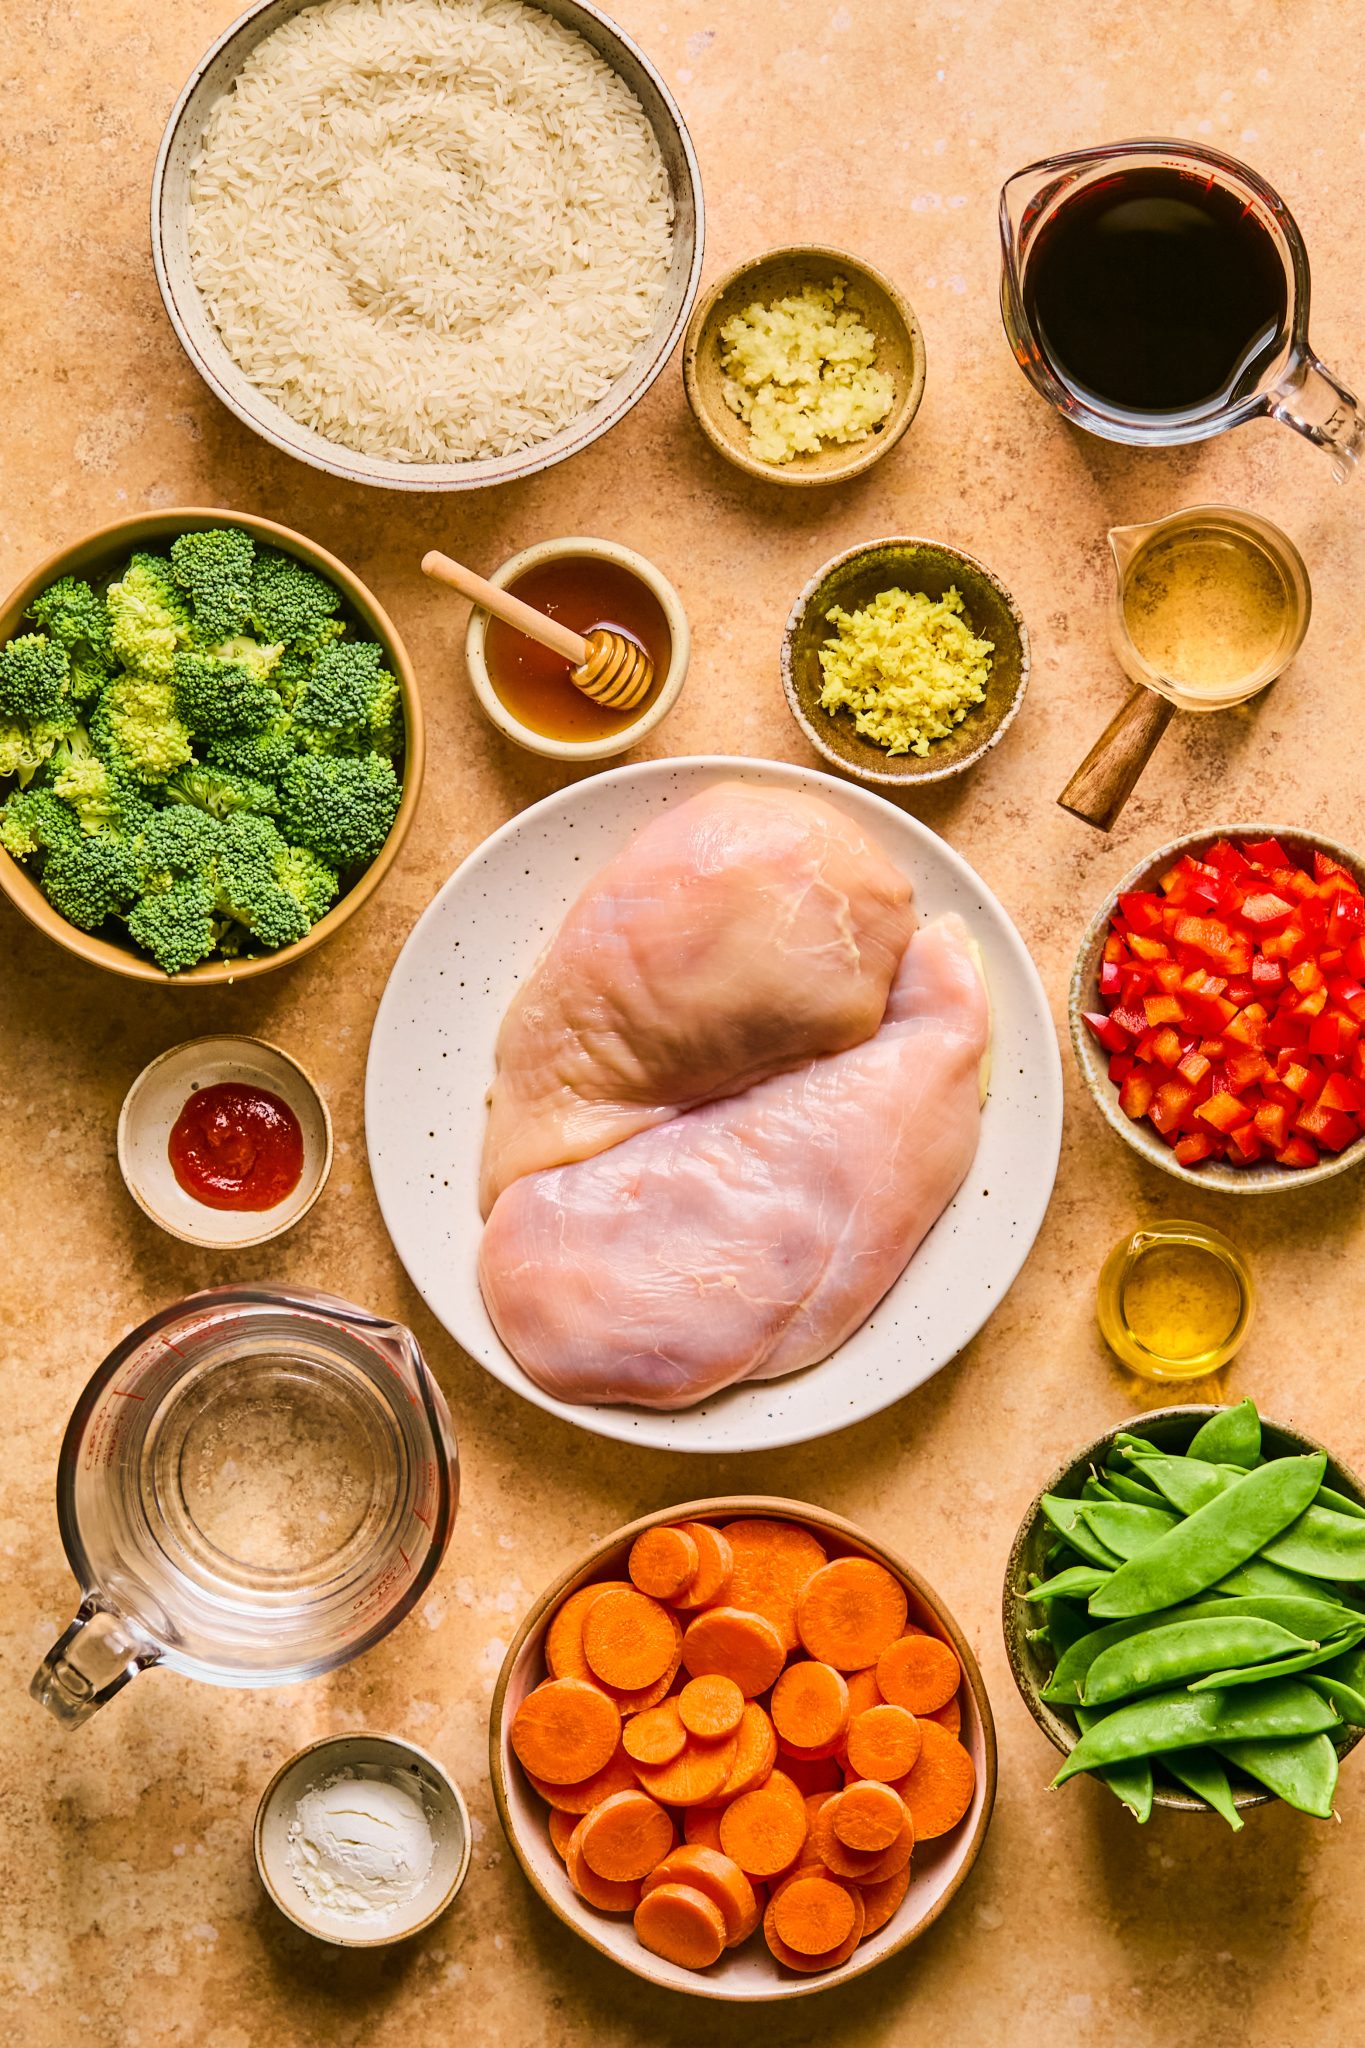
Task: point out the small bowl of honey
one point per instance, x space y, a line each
524 689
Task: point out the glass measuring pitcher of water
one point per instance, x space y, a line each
255 1486
1157 292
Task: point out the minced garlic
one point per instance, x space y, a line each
907 666
800 373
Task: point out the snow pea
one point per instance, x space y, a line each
1302 1772
1190 1649
1066 1518
1279 1667
1348 1701
1328 1497
1184 1720
1203 1549
1124 1528
1125 1487
1312 1619
1272 1581
1321 1544
1186 1483
1131 1783
1231 1437
1078 1582
1200 1772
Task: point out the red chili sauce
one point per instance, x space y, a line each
234 1147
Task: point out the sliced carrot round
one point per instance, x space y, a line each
813 1774
624 1837
562 1826
773 1561
810 1706
564 1638
739 1645
895 1857
682 1925
850 1611
716 1563
881 1900
701 1827
602 1892
883 1743
628 1639
755 1754
617 1775
867 1816
834 1854
939 1787
814 1915
918 1672
764 1830
949 1716
711 1705
863 1690
791 1958
663 1562
565 1730
656 1736
694 1777
717 1875
639 1699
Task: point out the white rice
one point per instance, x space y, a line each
432 230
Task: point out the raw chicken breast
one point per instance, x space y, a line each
737 935
751 1236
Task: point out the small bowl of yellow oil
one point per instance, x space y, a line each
1175 1300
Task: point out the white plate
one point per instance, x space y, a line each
431 1060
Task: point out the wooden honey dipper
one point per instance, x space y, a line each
606 666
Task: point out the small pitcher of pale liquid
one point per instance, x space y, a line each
1210 606
255 1486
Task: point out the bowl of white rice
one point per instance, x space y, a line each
427 244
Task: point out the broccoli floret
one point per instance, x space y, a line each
177 843
72 613
34 675
27 745
176 926
350 702
288 601
135 728
339 806
102 798
148 616
297 662
216 697
90 879
36 821
215 567
248 889
309 879
220 791
259 658
263 755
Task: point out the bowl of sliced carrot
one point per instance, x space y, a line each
743 1749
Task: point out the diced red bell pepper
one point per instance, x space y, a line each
1306 976
1285 1031
1111 1034
1324 865
1224 856
1339 1091
1163 1009
1129 1020
1245 1065
1266 854
1330 1128
1109 978
1147 949
1167 1046
1246 1143
1141 910
1301 1081
1168 975
1298 1152
1346 919
1266 912
1311 1005
1267 975
1272 1121
1114 948
1193 1067
1347 994
1210 1016
1223 1112
1171 1102
1333 1035
1193 1147
1121 1065
1135 1096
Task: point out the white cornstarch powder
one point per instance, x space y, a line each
431 230
360 1847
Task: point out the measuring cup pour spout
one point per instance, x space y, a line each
1124 542
92 1661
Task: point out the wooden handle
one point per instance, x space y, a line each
1103 783
524 617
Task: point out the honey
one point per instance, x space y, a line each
1175 1300
583 592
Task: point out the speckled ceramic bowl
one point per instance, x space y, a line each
1265 1177
747 1974
1031 1664
881 308
853 579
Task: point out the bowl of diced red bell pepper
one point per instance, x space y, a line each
1218 1008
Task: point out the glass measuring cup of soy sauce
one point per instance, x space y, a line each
254 1487
1156 292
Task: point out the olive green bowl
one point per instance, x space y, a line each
852 580
1171 1429
882 309
1264 1176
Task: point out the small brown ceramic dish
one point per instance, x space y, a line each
852 580
747 1974
880 307
1266 1176
1171 1429
98 555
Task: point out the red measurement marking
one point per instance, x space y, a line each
125 1395
421 1518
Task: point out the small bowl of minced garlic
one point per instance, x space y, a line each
804 366
904 661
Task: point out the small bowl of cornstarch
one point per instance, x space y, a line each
427 244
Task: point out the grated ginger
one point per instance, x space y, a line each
907 666
800 373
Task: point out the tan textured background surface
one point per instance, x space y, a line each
131 1912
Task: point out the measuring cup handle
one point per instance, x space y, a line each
1314 401
1103 783
95 1658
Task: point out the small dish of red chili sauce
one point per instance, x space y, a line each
225 1141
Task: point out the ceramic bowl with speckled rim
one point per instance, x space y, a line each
1265 1176
1170 1429
853 579
748 1974
432 1058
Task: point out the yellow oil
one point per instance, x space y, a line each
1207 607
1175 1300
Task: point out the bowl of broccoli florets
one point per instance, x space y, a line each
210 746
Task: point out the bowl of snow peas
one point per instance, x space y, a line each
1184 1613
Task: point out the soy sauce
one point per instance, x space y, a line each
1155 292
